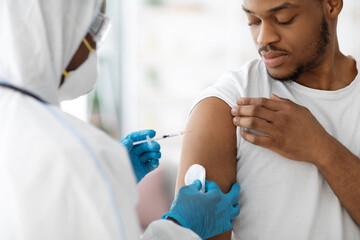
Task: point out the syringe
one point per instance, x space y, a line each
149 140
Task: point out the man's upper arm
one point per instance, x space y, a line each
211 143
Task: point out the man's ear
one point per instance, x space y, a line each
333 8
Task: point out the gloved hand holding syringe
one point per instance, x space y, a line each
149 140
145 157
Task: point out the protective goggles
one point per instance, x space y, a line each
99 29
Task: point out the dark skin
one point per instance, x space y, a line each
82 52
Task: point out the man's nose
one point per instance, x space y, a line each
267 34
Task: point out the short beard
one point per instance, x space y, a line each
322 45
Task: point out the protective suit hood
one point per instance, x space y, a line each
39 38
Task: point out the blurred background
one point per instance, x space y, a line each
159 56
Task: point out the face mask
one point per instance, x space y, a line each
81 81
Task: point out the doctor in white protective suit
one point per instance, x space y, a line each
61 178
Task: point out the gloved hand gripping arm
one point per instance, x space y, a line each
207 214
144 157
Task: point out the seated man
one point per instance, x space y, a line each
286 127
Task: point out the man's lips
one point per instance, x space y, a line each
273 59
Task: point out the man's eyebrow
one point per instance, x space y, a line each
286 5
247 10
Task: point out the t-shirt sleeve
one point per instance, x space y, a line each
227 88
250 80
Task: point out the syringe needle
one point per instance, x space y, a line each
149 140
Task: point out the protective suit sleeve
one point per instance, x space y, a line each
168 230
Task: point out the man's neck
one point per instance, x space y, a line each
334 72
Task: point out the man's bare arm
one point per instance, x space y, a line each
341 169
211 143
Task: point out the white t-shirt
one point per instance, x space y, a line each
281 198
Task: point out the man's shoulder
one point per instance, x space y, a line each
239 83
250 68
254 68
252 72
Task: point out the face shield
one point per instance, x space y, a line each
99 29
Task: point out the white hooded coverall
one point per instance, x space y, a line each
60 178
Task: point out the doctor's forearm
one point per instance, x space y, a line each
341 169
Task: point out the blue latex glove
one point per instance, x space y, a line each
207 214
144 157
